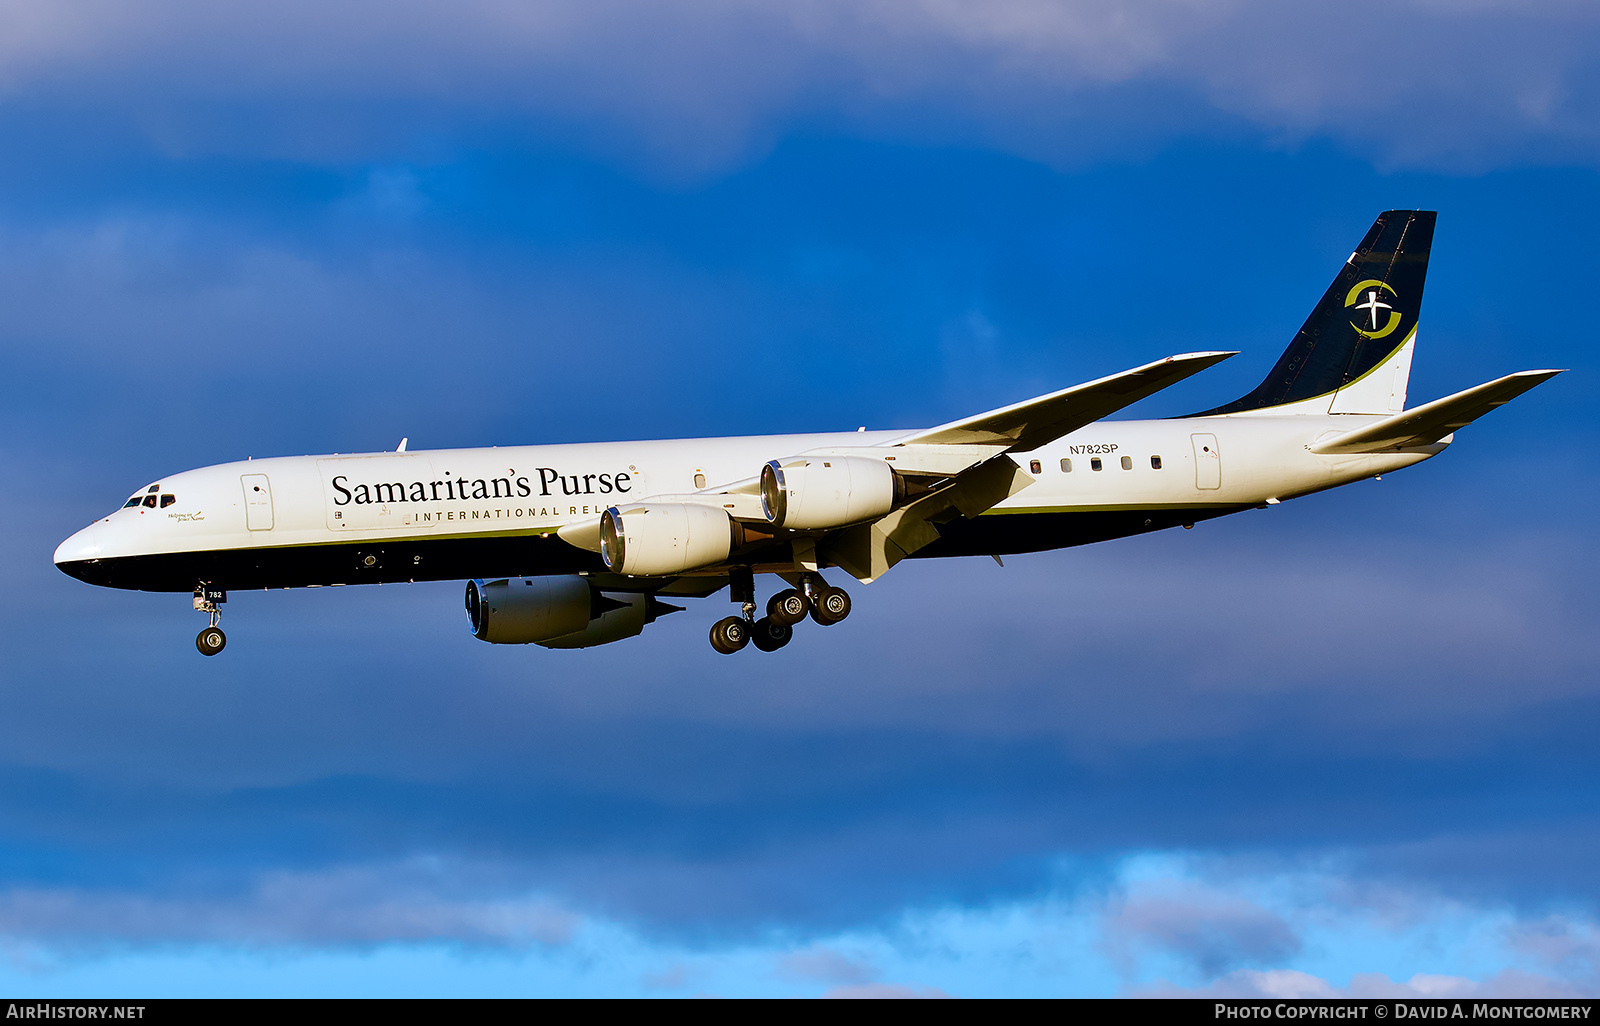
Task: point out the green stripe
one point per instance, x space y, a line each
1132 507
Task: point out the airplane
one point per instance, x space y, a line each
572 546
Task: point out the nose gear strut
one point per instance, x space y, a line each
206 599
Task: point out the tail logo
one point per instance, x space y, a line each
1367 296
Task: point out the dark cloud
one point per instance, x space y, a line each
422 902
1217 933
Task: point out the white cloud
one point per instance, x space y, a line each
699 83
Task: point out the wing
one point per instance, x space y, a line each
1430 422
1025 426
964 462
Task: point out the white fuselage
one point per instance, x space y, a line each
398 503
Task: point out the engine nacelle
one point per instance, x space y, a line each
520 612
625 618
817 492
652 539
557 612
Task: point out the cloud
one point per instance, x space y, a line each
884 990
1165 917
1290 984
1214 931
703 83
673 977
418 902
826 965
1568 944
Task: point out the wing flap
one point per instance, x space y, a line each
867 551
1430 422
1025 426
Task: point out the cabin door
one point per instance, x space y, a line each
257 502
1207 462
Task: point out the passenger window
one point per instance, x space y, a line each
150 501
1066 466
699 480
1033 467
1127 463
167 500
1155 463
133 502
1095 464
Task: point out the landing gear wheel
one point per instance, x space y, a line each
769 635
831 606
730 634
787 607
210 641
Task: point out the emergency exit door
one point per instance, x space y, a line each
257 502
1207 462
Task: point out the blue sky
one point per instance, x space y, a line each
1344 745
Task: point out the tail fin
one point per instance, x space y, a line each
1353 354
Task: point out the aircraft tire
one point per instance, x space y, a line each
787 607
832 605
730 634
769 635
210 641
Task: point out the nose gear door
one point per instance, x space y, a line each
1207 462
257 502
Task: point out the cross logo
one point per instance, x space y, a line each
1367 297
1374 305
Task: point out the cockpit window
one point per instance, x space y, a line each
150 501
133 502
153 488
167 500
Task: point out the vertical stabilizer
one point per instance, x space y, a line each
1353 354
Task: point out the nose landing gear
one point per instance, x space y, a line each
206 599
210 641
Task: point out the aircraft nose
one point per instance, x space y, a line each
84 545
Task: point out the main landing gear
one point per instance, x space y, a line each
826 604
206 599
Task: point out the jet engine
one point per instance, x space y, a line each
811 492
651 539
557 612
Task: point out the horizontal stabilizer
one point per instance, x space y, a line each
1024 426
1428 423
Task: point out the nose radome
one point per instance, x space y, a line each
83 545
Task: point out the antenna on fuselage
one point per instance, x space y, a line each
402 447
